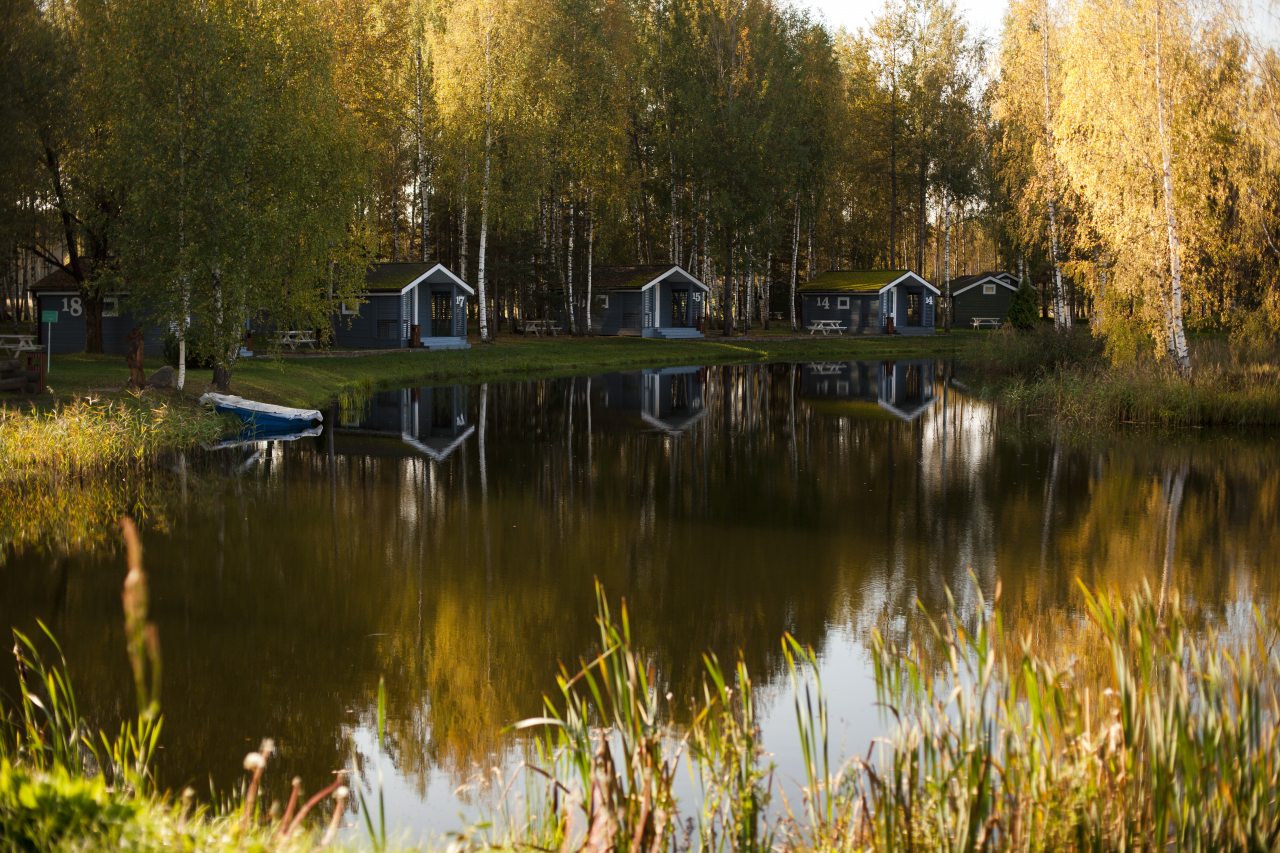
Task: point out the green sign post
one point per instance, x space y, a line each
48 318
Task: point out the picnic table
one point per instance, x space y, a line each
540 327
296 338
18 343
986 322
826 327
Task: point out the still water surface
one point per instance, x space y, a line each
447 539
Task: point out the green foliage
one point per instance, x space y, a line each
1254 337
91 434
1024 309
1037 353
60 808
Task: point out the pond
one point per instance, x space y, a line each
447 539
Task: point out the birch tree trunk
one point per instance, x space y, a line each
423 205
571 308
795 263
946 261
1060 319
1177 342
482 289
591 246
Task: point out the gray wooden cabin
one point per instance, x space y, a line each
864 301
433 422
667 399
650 300
985 295
868 390
59 291
405 305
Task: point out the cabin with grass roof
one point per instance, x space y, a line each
866 390
429 422
649 300
870 302
982 300
406 305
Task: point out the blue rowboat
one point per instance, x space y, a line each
263 416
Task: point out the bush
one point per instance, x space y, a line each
1038 353
1024 312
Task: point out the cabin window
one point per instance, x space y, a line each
988 290
603 301
842 302
389 329
348 309
110 306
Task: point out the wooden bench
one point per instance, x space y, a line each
986 322
17 344
297 338
540 327
826 327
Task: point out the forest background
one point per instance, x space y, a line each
226 160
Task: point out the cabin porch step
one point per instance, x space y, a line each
673 333
445 343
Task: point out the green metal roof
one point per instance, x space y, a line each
852 281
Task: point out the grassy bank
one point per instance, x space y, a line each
86 433
1067 379
87 420
311 380
1137 732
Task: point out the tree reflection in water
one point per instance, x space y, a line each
447 539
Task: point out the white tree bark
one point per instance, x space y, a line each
1061 318
424 209
568 290
946 260
1177 342
482 290
795 263
591 246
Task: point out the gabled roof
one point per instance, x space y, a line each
58 281
860 281
968 282
639 277
399 277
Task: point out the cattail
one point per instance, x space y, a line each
255 763
342 794
338 782
188 798
292 805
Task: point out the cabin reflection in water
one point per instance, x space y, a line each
669 399
904 389
430 421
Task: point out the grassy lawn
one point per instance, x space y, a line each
311 380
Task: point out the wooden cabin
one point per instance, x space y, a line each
865 390
984 297
650 300
59 291
431 422
406 305
667 399
870 301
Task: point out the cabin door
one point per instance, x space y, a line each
680 307
441 314
913 309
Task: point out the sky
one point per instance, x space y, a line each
983 16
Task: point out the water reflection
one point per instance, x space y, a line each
447 538
904 389
431 421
